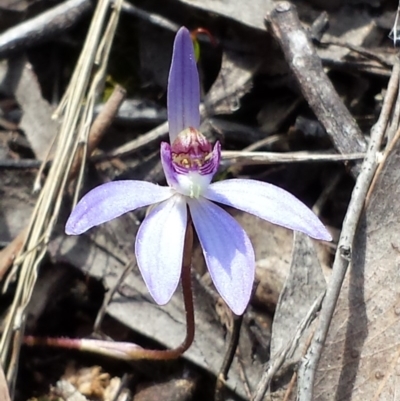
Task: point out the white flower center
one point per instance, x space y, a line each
192 184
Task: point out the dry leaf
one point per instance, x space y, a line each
303 286
352 27
19 79
233 82
249 13
90 382
172 390
361 356
16 202
273 247
68 392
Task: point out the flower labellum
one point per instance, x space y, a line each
190 163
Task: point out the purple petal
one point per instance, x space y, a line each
183 86
108 201
270 203
159 248
166 161
228 252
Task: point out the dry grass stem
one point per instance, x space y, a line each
245 158
47 208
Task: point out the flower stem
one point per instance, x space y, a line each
129 351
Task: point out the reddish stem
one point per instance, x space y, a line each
130 351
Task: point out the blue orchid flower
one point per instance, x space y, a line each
189 163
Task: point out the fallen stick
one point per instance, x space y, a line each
316 87
44 26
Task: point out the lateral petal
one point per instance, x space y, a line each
111 200
159 248
183 99
270 203
227 251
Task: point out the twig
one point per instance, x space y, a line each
43 27
8 125
8 254
313 82
19 164
62 17
128 148
243 374
358 66
294 377
290 388
264 142
289 348
244 158
394 123
107 299
155 19
100 125
388 151
343 255
369 54
228 358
